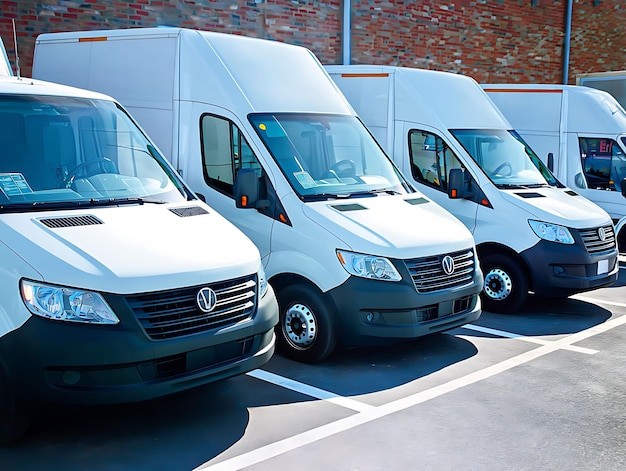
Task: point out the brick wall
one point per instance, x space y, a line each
490 40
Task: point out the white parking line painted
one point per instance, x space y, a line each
511 335
310 390
291 443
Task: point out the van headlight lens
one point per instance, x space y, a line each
368 266
262 281
66 304
551 232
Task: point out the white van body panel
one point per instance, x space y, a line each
77 256
419 101
394 101
551 118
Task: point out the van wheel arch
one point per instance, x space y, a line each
621 240
506 279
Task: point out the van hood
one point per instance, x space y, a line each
558 205
394 226
130 249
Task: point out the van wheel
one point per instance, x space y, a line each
14 419
505 287
305 332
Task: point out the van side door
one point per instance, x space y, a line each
430 159
222 150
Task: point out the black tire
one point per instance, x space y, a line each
505 287
14 419
305 331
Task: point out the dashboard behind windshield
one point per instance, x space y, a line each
327 155
504 157
73 150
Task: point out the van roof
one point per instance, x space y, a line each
237 72
453 101
28 86
588 109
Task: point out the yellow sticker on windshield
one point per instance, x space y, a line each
262 127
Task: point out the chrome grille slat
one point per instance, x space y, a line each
592 241
428 275
174 313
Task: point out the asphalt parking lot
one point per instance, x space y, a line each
542 389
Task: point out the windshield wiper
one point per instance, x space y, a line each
353 194
53 205
320 197
511 186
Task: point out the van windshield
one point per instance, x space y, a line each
64 152
328 156
505 158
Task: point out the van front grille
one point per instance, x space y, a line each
175 313
428 273
598 239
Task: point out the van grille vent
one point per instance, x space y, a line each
348 207
572 193
428 272
174 313
189 211
417 200
598 239
55 223
530 195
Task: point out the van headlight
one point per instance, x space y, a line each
551 232
66 304
368 266
262 281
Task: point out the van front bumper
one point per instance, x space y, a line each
560 270
370 312
66 362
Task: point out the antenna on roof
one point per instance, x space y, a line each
17 57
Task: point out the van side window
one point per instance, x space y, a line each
603 162
431 159
224 151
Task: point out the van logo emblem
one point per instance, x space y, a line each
448 265
602 234
206 299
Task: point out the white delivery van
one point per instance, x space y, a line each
532 234
257 127
117 283
580 133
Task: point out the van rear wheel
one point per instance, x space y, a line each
505 287
305 332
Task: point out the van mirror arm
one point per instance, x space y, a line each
459 184
246 189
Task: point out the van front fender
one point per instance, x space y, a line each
326 273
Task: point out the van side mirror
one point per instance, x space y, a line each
459 184
551 161
246 190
